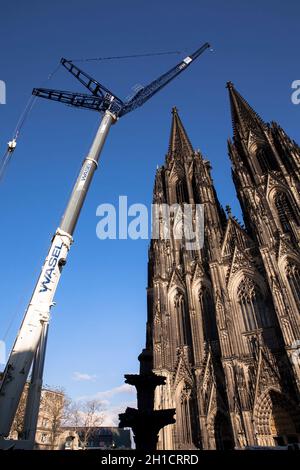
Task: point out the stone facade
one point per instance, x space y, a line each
223 320
49 421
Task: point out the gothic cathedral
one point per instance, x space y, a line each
223 321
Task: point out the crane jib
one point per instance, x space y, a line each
29 349
102 99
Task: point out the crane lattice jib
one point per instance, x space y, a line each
102 99
30 344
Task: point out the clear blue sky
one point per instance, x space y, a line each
98 325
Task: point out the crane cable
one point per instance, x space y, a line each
132 56
6 158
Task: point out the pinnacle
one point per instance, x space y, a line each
244 118
179 145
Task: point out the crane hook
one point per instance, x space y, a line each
12 145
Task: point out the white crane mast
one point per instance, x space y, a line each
38 311
30 343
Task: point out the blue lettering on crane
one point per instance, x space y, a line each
51 267
85 171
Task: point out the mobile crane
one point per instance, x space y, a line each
30 344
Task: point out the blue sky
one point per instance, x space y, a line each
98 325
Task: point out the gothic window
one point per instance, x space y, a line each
182 192
223 432
179 306
266 160
195 188
293 276
208 314
252 305
185 416
44 437
284 210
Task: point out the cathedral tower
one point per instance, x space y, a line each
223 317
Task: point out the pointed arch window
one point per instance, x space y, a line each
179 306
252 305
182 194
266 160
195 188
208 313
293 276
285 211
186 427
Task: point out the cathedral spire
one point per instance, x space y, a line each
244 118
179 145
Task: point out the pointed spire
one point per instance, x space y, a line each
244 118
180 144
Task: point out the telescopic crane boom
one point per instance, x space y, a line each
37 315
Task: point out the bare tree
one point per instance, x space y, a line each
83 417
